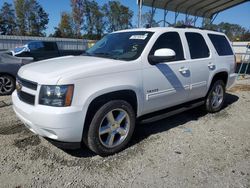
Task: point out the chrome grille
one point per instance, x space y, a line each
27 83
23 95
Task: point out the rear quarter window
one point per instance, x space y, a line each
221 44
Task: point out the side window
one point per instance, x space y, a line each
169 40
221 44
49 46
36 46
197 45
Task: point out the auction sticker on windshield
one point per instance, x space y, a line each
139 37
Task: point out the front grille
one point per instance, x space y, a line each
27 83
26 97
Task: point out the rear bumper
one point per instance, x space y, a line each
231 80
59 124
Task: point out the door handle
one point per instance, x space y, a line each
183 70
211 65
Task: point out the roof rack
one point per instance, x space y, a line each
187 26
190 26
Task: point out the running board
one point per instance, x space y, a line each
171 112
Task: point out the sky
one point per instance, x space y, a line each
236 15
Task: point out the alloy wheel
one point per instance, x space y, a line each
114 128
6 85
217 96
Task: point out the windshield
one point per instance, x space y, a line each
123 46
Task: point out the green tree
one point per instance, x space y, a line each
20 7
118 16
7 19
65 27
245 36
148 19
233 31
78 11
94 19
37 19
31 18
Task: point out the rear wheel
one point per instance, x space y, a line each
7 84
216 96
111 128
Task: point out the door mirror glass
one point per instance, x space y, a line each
162 55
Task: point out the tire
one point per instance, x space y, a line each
111 128
7 85
215 97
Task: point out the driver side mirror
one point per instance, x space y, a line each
162 55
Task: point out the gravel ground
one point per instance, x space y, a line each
192 149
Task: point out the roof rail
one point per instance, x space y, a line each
187 26
190 26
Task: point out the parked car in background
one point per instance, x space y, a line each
41 50
9 67
11 61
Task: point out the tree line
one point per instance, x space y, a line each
88 19
25 17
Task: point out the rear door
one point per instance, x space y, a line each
166 84
201 64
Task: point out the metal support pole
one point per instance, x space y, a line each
152 13
175 18
214 17
186 18
139 12
165 14
195 19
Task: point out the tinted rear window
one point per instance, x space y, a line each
221 44
197 45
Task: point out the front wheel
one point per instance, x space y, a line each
7 85
216 96
111 128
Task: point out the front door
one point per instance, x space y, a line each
166 84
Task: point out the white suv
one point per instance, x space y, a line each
137 74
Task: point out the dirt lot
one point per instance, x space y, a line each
192 149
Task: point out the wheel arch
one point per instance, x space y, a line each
8 74
220 75
127 95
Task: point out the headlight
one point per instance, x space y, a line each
59 96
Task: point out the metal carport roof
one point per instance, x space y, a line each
201 8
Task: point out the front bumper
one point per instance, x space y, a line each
64 124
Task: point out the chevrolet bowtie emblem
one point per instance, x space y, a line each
18 86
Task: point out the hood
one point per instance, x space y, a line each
50 71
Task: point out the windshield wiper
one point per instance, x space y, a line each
102 53
87 54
